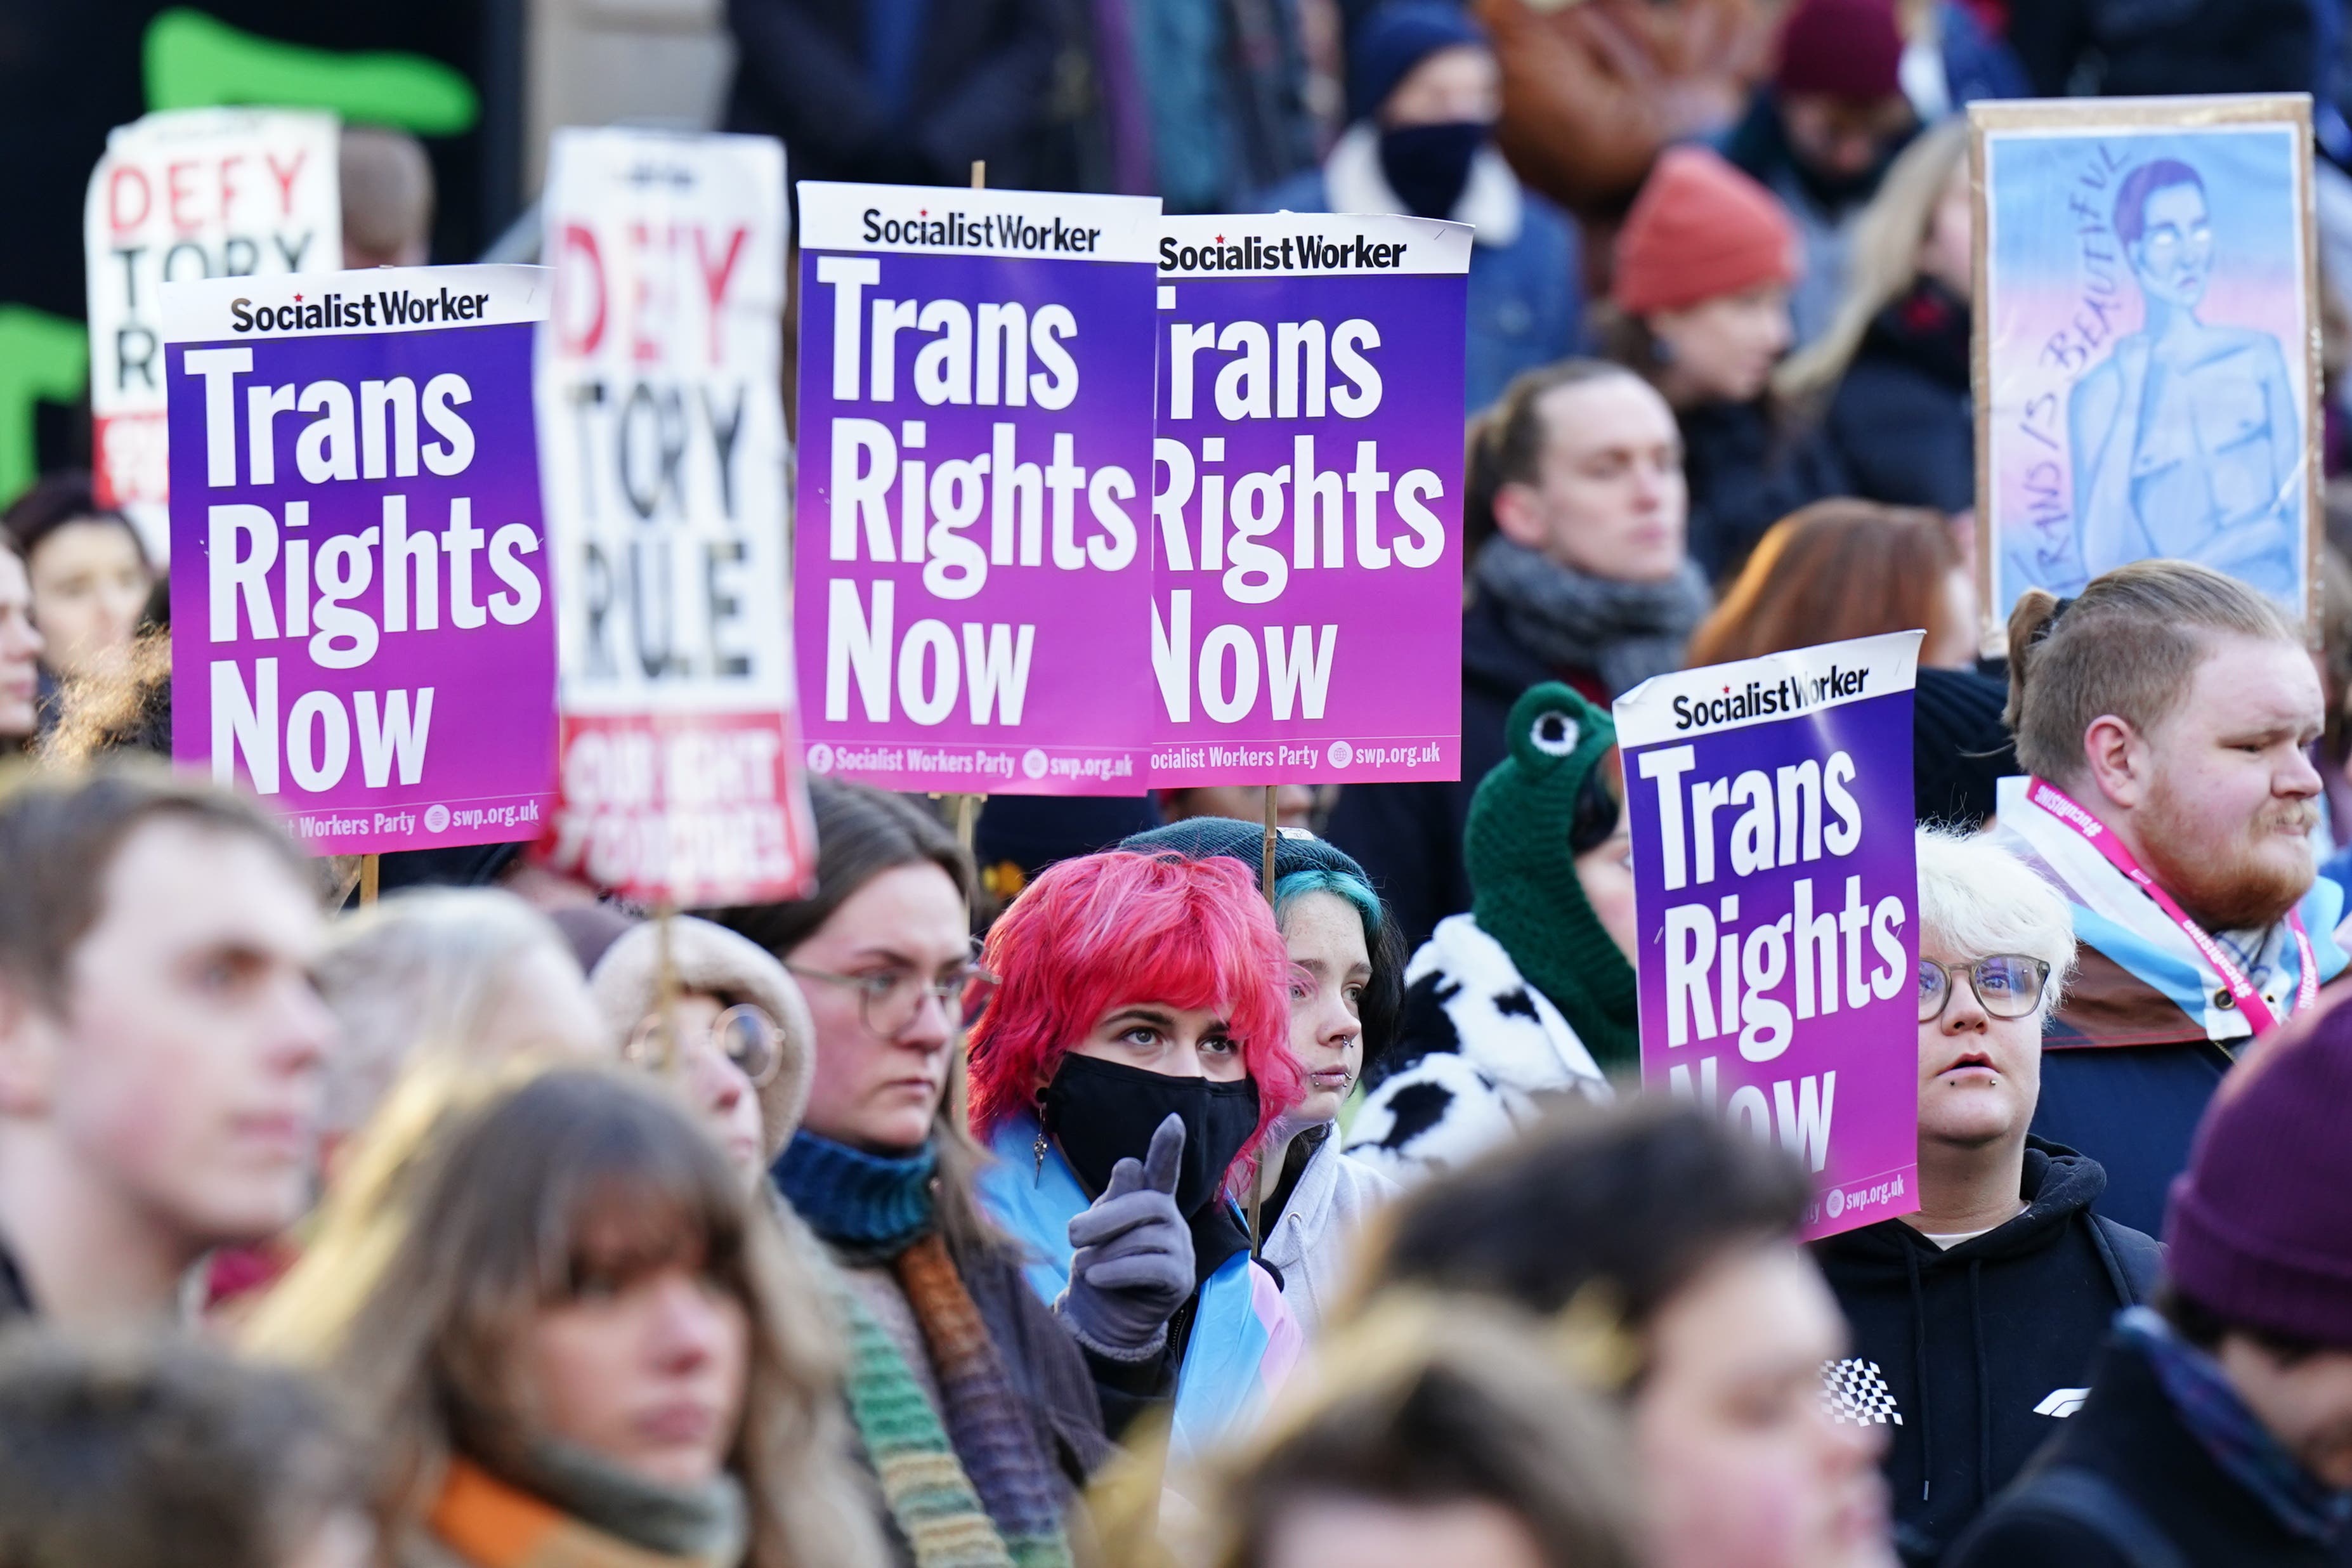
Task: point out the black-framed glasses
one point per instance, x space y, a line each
2008 984
743 1033
889 1000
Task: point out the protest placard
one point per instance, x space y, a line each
971 576
661 428
362 631
1306 552
1775 887
180 195
2146 344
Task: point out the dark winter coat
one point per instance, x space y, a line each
1745 473
1055 1379
2126 48
2151 1469
16 1296
2145 1031
1408 836
980 87
1972 1357
1901 422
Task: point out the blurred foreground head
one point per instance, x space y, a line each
472 972
1430 1434
162 1048
127 1456
1670 1241
566 1297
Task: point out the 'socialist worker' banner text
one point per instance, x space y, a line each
971 575
1775 890
178 196
362 629
662 430
1306 580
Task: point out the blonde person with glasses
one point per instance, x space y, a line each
1976 1316
977 1410
737 1034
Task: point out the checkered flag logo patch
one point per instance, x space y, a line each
1854 1392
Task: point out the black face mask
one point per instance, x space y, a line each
1428 165
1102 1112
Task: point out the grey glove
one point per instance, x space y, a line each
1134 1264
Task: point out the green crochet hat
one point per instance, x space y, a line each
1525 890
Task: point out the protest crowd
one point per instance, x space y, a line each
1197 1165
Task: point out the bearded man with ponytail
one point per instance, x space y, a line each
2164 719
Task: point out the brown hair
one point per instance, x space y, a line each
60 831
125 706
125 1456
1834 570
423 1276
1626 1202
862 832
1505 440
2127 646
55 501
1424 1405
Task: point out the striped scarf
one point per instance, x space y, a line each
970 1492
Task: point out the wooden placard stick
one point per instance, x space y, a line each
979 174
1266 861
371 878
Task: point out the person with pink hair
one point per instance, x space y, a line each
1124 1074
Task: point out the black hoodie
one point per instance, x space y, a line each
1971 1357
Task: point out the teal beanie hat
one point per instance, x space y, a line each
1525 890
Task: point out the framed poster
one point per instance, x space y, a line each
2146 344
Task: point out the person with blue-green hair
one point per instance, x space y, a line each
1346 986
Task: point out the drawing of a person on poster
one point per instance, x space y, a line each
2185 441
2145 310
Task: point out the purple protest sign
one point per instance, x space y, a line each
1774 885
969 571
1307 557
362 627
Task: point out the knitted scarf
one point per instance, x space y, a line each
1623 632
580 1511
2216 1416
967 1485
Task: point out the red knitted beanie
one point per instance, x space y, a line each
1699 229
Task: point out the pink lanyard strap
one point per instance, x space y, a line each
2062 807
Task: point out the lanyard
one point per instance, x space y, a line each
2062 807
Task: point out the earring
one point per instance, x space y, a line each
1038 1149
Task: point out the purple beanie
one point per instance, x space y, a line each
2260 1227
1848 49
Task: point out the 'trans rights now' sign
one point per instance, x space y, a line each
1775 884
362 629
972 578
1306 568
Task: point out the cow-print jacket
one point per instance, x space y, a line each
1477 1055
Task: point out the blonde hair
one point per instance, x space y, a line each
424 969
462 1221
2126 646
1976 898
1884 261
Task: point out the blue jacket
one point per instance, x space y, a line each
1243 1339
1526 296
